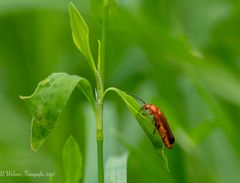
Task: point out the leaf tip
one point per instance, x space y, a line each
35 143
34 147
23 98
70 138
71 4
71 7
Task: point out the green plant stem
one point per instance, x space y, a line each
104 35
99 107
100 91
100 161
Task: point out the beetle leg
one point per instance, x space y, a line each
145 114
141 109
156 125
154 131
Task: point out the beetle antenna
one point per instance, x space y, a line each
136 98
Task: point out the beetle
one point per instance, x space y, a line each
160 122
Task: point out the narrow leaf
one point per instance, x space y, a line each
80 35
48 101
144 122
72 161
116 169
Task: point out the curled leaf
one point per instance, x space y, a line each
48 101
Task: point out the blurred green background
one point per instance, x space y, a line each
183 56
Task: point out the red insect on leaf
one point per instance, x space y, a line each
160 122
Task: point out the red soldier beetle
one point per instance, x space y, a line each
161 123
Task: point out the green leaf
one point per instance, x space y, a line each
116 169
48 101
144 122
72 161
80 35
